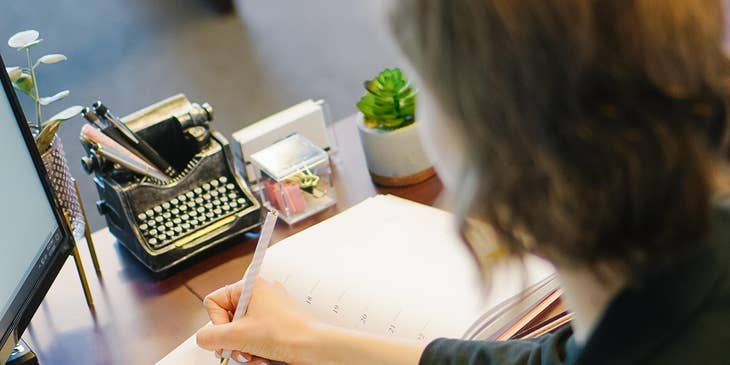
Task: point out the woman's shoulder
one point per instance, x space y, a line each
547 350
679 316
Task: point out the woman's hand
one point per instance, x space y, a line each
274 326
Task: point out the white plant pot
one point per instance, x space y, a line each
395 158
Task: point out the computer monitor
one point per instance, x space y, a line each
35 241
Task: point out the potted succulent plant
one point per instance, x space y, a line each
49 145
387 127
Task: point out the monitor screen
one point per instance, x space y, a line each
29 228
27 221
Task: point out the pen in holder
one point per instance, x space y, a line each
167 214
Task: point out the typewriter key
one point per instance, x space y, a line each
223 179
142 217
210 215
182 198
232 195
162 237
206 186
184 217
190 194
226 207
216 202
230 186
157 209
149 213
199 201
166 215
209 206
214 193
169 224
178 229
193 214
191 205
159 219
242 201
183 208
143 227
207 197
165 205
233 204
193 222
152 241
201 210
224 199
198 191
174 201
186 226
152 232
217 211
175 211
202 218
177 221
214 183
151 223
222 190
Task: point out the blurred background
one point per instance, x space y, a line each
248 61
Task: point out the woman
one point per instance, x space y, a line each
587 132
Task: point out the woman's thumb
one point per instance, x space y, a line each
230 336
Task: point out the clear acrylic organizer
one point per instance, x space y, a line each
294 178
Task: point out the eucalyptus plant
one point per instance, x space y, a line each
389 102
24 79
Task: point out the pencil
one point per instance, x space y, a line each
252 273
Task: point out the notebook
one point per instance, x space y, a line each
393 267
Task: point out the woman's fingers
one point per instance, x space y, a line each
258 361
235 355
272 318
221 303
223 336
241 356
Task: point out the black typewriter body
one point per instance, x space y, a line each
166 224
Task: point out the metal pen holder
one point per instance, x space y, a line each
69 198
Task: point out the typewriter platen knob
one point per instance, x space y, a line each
208 110
197 115
89 164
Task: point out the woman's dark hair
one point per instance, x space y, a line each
591 126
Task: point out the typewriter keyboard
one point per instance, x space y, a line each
193 214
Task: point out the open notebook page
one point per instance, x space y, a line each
392 267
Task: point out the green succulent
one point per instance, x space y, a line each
390 101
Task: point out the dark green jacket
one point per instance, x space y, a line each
681 316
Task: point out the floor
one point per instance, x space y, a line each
264 57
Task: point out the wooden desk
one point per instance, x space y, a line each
138 320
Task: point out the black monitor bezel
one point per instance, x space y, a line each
57 249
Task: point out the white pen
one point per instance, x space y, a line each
252 273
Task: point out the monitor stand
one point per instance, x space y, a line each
22 355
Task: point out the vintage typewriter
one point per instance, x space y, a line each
203 205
